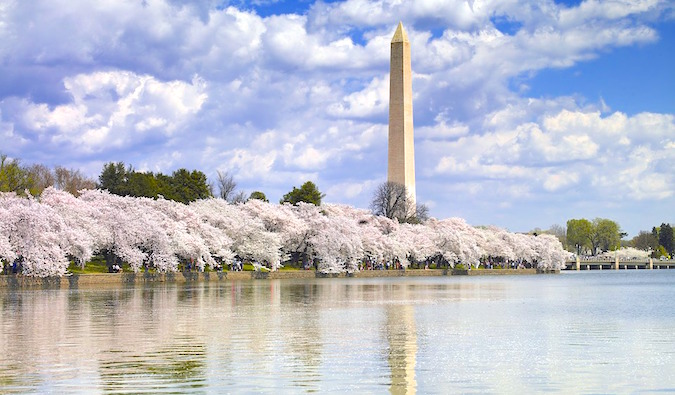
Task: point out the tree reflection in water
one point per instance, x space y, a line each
180 366
342 335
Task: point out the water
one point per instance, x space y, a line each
588 332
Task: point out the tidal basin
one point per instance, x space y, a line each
587 332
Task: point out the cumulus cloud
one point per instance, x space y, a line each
458 13
564 151
287 97
115 109
350 190
441 130
372 100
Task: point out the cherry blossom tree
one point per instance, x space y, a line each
131 231
626 253
458 242
549 252
79 218
7 253
496 243
282 220
250 240
37 235
191 238
377 246
410 243
49 231
337 242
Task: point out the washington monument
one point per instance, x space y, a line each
401 142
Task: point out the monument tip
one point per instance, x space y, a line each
400 35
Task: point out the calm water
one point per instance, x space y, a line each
585 332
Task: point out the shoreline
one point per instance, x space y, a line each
74 281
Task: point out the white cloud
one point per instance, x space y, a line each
556 181
441 130
605 10
286 98
251 165
372 100
349 190
307 157
459 13
565 147
109 108
573 148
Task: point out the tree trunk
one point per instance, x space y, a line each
109 260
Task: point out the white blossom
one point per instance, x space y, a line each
37 234
626 253
45 233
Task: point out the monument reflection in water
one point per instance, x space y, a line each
579 332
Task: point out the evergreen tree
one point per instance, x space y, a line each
114 177
666 238
142 184
258 195
189 186
182 186
307 193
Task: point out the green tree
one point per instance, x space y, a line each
142 184
13 178
114 177
579 234
182 186
189 186
666 238
307 193
655 232
606 235
165 186
660 251
37 177
258 195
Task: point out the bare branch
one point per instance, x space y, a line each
226 185
392 200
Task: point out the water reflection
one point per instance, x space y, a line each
303 335
402 338
180 366
581 334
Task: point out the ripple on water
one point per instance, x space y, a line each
595 333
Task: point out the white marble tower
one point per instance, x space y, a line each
401 168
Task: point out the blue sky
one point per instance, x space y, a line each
526 114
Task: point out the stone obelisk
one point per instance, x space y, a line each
401 142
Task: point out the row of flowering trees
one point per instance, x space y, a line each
47 232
